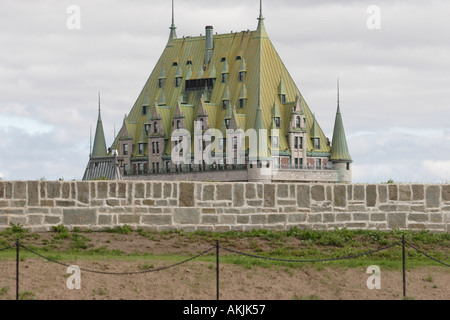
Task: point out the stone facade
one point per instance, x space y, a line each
211 206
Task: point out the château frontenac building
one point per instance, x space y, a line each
221 107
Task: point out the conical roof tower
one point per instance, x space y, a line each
339 148
99 148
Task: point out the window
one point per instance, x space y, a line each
153 148
203 124
241 103
348 166
177 82
178 124
241 76
141 167
316 143
235 143
144 110
295 142
297 122
278 123
221 143
223 59
175 64
160 83
296 163
125 149
225 104
224 77
141 148
125 168
318 164
155 127
238 58
147 128
227 123
275 143
277 162
189 62
283 98
157 147
300 142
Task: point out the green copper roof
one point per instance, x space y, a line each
99 148
339 148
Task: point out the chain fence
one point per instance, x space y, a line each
217 247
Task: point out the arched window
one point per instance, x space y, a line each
178 124
155 126
297 122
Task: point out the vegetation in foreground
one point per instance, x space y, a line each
295 244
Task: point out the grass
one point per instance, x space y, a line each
295 244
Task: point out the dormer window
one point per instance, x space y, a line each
189 63
275 143
283 98
147 128
144 110
297 122
242 103
238 58
223 59
224 77
316 142
227 123
177 82
178 124
225 104
175 64
141 148
278 123
160 83
241 76
155 127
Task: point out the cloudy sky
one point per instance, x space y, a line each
391 56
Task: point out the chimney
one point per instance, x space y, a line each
209 43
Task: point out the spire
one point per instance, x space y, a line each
173 33
339 148
99 148
261 30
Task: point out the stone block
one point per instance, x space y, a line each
186 198
382 193
20 190
250 191
340 199
79 216
238 195
282 191
210 219
258 219
377 217
418 192
359 192
303 196
404 191
83 192
276 218
446 193
167 190
105 219
54 220
418 217
340 217
139 190
432 194
122 190
223 192
157 189
396 220
371 195
129 218
296 217
269 195
33 193
360 216
208 192
157 219
393 192
242 219
318 193
186 215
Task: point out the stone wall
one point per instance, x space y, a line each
95 205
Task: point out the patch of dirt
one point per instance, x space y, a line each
196 280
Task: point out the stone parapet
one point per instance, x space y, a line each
214 206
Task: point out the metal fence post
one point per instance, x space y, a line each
17 268
404 267
217 268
